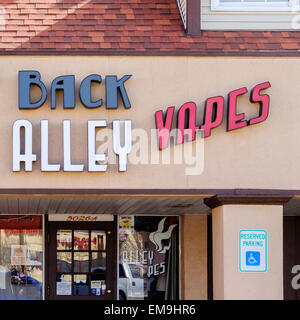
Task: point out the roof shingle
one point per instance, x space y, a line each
124 27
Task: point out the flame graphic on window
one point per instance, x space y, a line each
157 236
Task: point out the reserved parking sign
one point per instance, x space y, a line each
253 251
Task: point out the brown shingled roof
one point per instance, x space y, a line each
118 27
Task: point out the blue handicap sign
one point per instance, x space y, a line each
252 258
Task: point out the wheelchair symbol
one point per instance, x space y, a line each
252 258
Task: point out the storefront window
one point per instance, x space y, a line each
149 258
21 257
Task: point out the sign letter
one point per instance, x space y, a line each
264 102
26 79
214 109
67 84
93 157
28 157
164 127
86 91
191 117
68 166
235 121
112 87
45 166
122 151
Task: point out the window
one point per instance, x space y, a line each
149 258
21 257
255 5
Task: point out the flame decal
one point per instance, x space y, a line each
157 236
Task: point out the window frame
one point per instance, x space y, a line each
291 5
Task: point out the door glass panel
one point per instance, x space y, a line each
98 240
64 240
81 240
64 262
81 262
63 284
81 286
98 261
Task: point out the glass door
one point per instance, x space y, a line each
82 260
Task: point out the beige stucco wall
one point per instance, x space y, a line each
194 257
228 282
265 155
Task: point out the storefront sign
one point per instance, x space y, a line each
121 144
213 115
66 84
114 88
253 250
80 217
121 150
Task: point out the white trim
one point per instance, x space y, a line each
292 5
181 4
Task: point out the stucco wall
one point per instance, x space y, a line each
194 257
228 282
